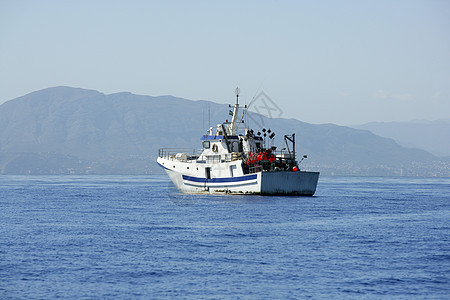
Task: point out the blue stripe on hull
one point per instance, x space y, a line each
162 166
214 180
202 186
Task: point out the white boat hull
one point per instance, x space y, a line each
263 183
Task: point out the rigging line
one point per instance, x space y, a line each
251 102
209 116
259 88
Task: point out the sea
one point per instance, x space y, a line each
137 237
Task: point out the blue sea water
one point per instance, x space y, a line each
132 237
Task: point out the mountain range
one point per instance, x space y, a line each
432 136
64 130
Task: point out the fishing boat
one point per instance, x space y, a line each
236 160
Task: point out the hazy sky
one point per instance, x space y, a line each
343 62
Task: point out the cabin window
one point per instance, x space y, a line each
235 146
232 170
206 144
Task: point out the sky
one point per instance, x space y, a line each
341 62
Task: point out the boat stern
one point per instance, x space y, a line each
289 183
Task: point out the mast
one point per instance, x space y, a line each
233 126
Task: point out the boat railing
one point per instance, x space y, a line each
218 158
179 153
212 159
283 155
254 169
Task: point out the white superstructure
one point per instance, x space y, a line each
230 162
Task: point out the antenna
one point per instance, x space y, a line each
236 92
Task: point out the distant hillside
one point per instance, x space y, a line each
65 130
432 136
117 133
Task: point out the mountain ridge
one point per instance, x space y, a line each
64 130
432 136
